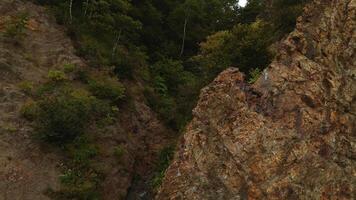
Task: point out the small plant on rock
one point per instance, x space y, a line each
165 157
254 75
26 87
29 110
119 152
56 76
68 68
15 29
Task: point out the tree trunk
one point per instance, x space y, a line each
86 7
70 11
116 44
184 35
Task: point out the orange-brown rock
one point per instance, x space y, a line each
291 135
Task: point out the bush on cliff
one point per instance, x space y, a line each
62 118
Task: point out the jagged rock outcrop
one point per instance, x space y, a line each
291 135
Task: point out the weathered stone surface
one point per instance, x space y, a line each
291 135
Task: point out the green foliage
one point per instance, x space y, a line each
92 51
102 110
251 11
203 18
80 180
119 152
283 14
9 128
172 92
165 106
47 88
129 61
254 75
166 76
214 56
107 89
81 151
82 76
30 110
98 26
245 47
62 118
56 76
16 27
68 68
26 87
141 40
165 157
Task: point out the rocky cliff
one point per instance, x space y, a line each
291 135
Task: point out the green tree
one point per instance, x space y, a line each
283 14
193 20
245 46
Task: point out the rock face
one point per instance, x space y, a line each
291 135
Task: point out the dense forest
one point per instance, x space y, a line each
176 46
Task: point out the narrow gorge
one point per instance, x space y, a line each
96 99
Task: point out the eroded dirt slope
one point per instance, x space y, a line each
291 135
28 167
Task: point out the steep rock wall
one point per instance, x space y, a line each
291 135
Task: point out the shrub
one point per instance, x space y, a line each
172 92
284 14
56 76
254 75
107 89
82 76
127 61
90 49
68 68
119 152
102 109
80 180
81 152
48 87
29 110
16 27
78 184
160 86
165 157
164 105
9 128
62 118
26 87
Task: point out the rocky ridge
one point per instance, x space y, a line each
290 135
